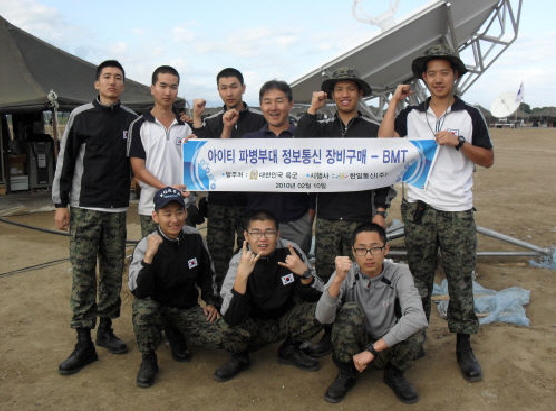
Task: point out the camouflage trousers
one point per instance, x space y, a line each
454 234
332 238
225 223
350 337
96 234
147 225
299 324
149 317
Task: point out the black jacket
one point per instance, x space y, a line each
92 168
179 269
345 205
272 289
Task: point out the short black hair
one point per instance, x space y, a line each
453 65
260 215
278 85
164 69
230 72
109 63
369 228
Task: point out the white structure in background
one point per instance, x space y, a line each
384 20
503 107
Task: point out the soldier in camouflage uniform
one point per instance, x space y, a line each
269 294
93 178
226 210
440 216
338 213
376 314
168 268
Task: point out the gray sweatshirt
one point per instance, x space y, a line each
377 298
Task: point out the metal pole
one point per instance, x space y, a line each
511 240
397 232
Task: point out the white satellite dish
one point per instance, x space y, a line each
504 105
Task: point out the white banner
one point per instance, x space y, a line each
305 164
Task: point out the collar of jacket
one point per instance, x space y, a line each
108 109
358 115
458 104
168 239
290 130
151 119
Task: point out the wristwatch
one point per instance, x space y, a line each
307 274
382 213
372 350
461 140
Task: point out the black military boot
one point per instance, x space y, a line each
178 345
84 353
238 362
324 346
394 378
344 381
468 363
290 353
147 370
107 339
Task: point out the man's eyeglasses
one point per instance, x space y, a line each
363 251
267 234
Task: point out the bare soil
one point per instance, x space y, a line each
516 197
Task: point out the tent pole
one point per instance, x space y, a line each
55 132
2 156
53 98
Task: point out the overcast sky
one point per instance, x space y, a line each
283 39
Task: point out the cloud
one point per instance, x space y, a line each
181 34
42 21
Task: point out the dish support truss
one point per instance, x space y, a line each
496 34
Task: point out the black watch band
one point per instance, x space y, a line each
307 274
372 350
461 140
381 213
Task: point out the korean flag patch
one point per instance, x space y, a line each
192 263
287 279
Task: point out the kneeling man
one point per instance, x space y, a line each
168 268
269 294
376 312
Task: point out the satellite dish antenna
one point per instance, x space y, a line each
504 105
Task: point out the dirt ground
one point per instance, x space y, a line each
516 197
